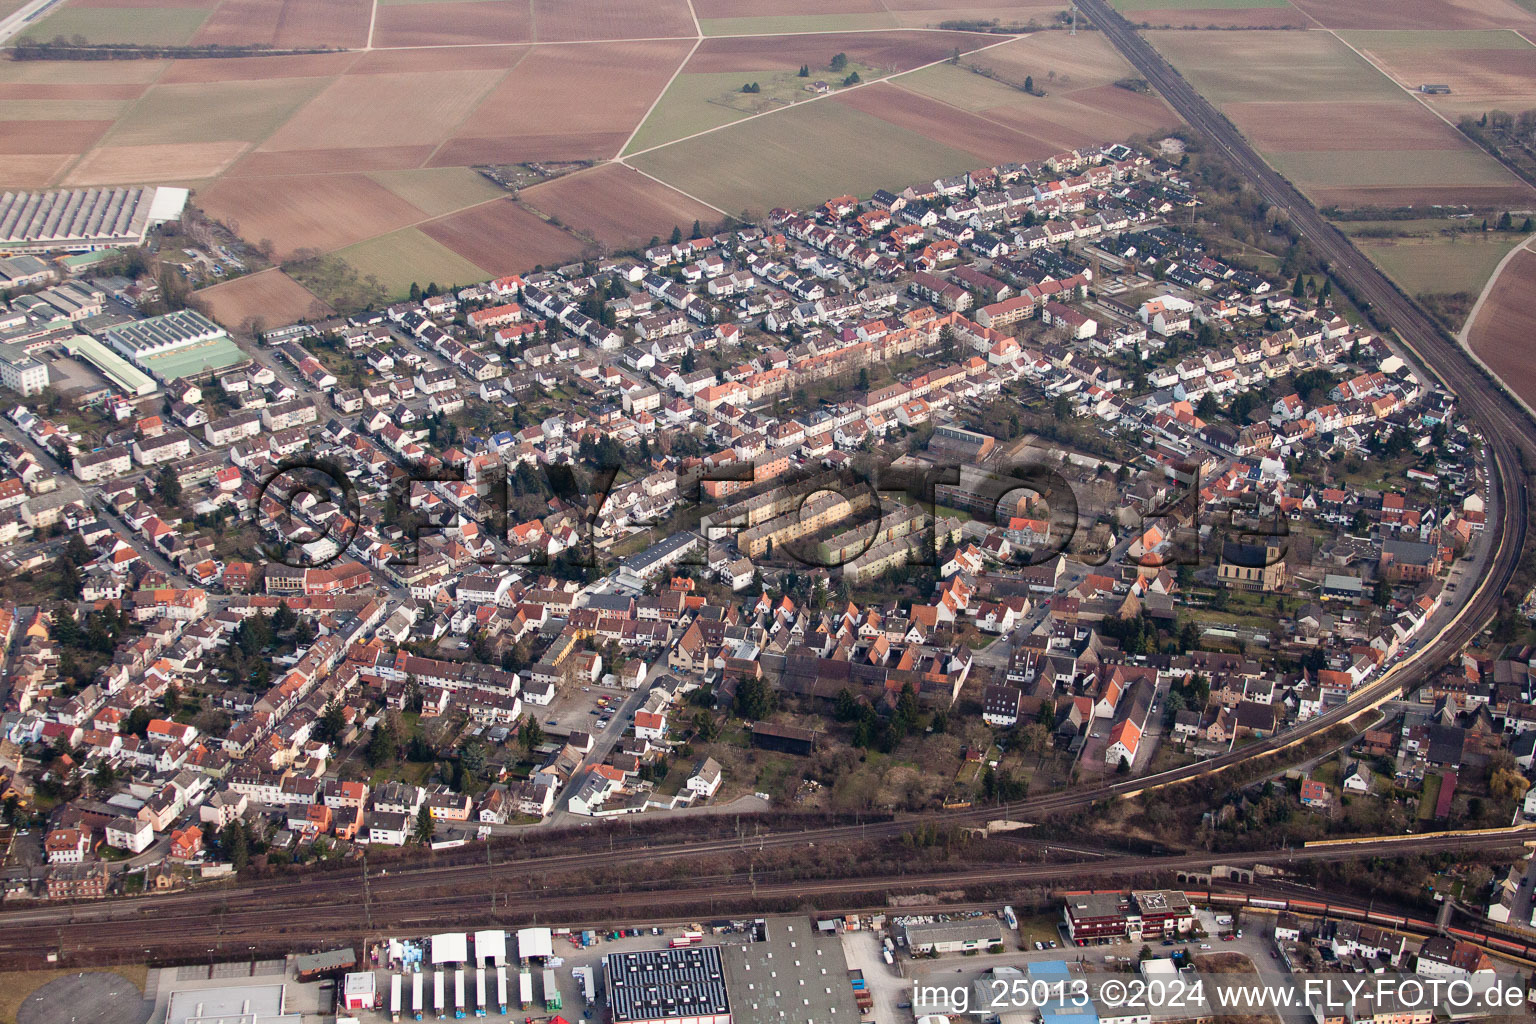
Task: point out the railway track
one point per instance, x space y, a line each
87 935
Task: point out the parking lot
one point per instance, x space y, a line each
581 709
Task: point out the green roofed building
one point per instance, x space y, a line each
142 338
112 366
180 344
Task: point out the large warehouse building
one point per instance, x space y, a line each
668 986
84 219
180 344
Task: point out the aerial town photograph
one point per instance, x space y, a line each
767 511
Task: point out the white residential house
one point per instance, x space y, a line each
131 834
705 780
388 828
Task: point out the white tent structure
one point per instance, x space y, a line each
532 942
491 947
450 948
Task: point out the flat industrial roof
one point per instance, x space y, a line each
195 359
183 326
794 973
659 983
234 1004
81 215
112 366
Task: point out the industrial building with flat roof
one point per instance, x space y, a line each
139 339
114 367
663 986
84 219
953 936
791 973
234 1004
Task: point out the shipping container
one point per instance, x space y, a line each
524 989
416 1007
480 992
458 993
438 1002
551 990
589 985
396 983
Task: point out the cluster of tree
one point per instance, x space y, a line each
418 293
1136 634
77 47
655 771
1191 692
872 731
332 723
597 308
1001 786
99 632
235 842
838 62
530 734
805 71
750 87
852 79
755 699
383 744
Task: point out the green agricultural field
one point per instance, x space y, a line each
1364 169
401 257
1461 263
791 23
1454 39
799 157
69 72
1193 5
437 191
63 110
1237 67
212 111
144 26
696 103
1423 228
962 88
